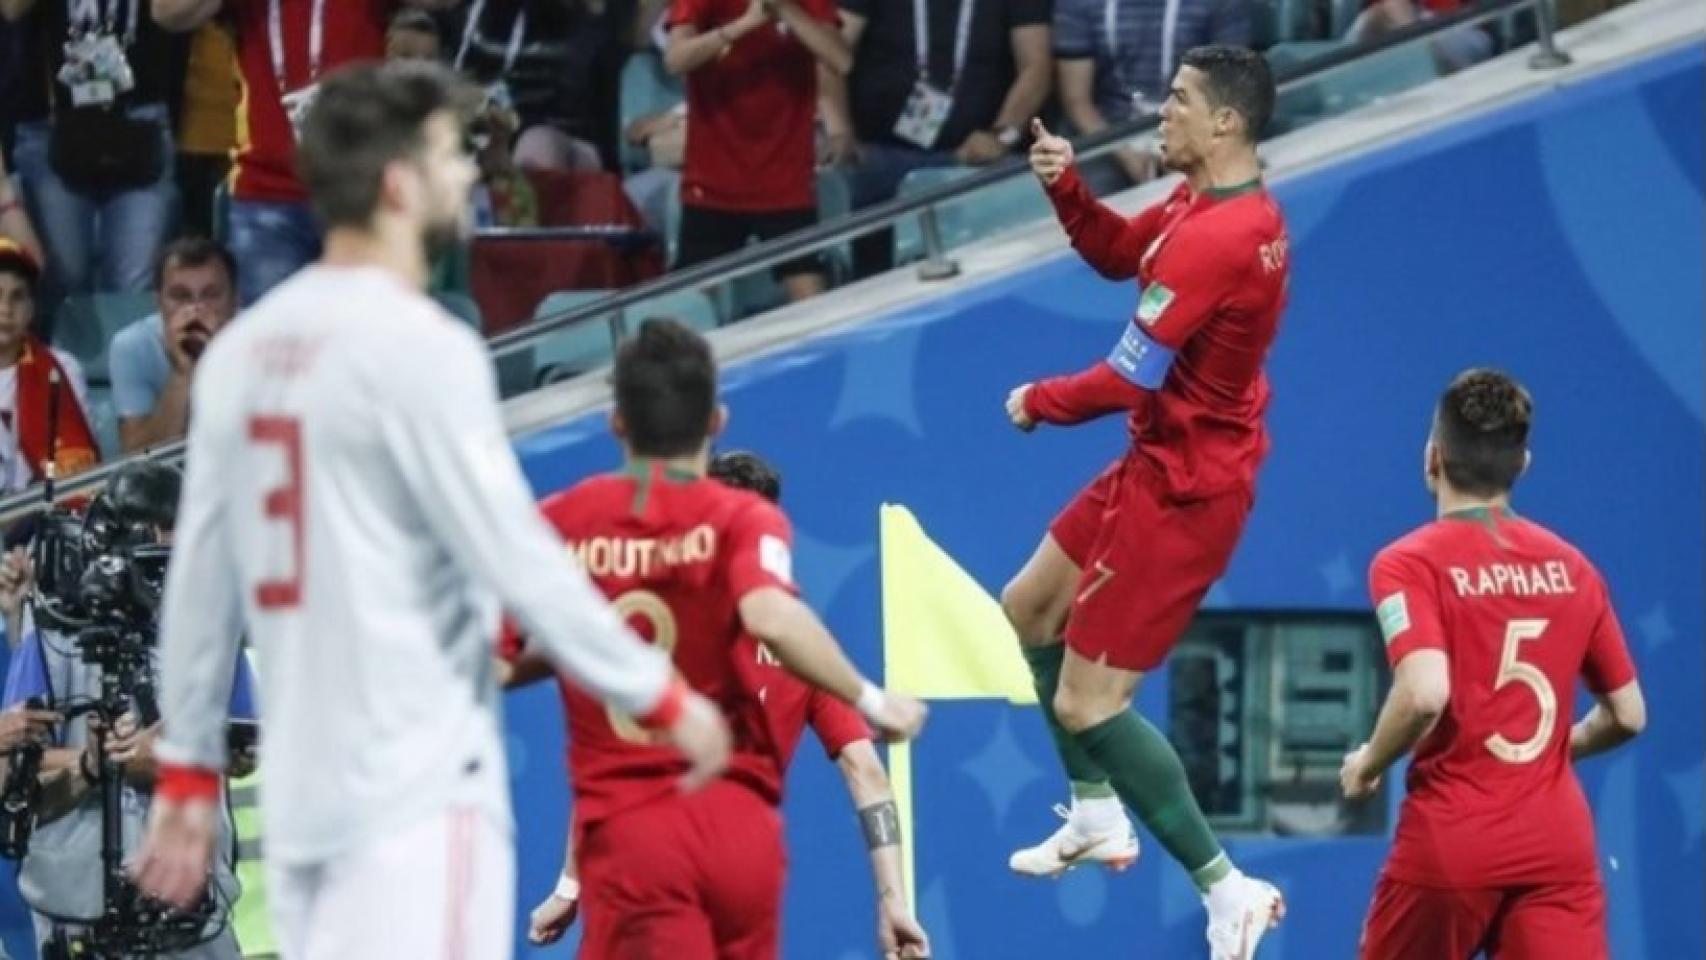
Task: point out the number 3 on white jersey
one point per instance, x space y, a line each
1513 669
283 504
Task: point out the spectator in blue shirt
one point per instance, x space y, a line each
153 360
1114 62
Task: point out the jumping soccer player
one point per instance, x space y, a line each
706 571
1489 619
1122 569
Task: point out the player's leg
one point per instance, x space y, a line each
1408 922
640 896
1036 603
1563 921
443 886
1152 564
742 862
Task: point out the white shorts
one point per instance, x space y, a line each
439 889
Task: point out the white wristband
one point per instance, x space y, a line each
871 700
568 888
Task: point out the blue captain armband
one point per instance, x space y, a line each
1140 359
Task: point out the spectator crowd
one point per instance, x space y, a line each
148 188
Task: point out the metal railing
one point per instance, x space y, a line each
936 265
923 205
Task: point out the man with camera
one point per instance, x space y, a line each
63 875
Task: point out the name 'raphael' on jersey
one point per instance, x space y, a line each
1520 614
352 502
675 553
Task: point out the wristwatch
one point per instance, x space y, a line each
1008 137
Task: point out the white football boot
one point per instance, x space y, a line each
1114 846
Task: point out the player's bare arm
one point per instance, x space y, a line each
899 935
1421 688
824 40
805 647
689 49
560 908
1617 718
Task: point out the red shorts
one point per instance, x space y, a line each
1147 561
694 877
1558 921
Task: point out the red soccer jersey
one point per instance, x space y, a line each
350 31
1492 798
750 114
1212 268
675 554
791 704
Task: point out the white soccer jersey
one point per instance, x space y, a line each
353 503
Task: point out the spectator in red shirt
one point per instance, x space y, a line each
751 70
271 230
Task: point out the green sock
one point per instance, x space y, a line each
1088 778
1148 776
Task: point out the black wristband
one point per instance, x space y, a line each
83 768
881 823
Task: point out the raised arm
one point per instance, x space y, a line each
821 36
832 96
1112 245
691 48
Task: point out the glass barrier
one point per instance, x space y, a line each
941 209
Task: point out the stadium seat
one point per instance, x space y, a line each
647 88
462 305
971 217
691 307
755 292
85 325
576 350
1349 86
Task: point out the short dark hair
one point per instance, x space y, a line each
193 251
1239 78
1481 428
748 471
364 118
666 389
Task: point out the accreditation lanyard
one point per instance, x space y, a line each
962 39
85 12
1169 26
517 35
316 42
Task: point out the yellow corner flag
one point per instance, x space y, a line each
944 638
